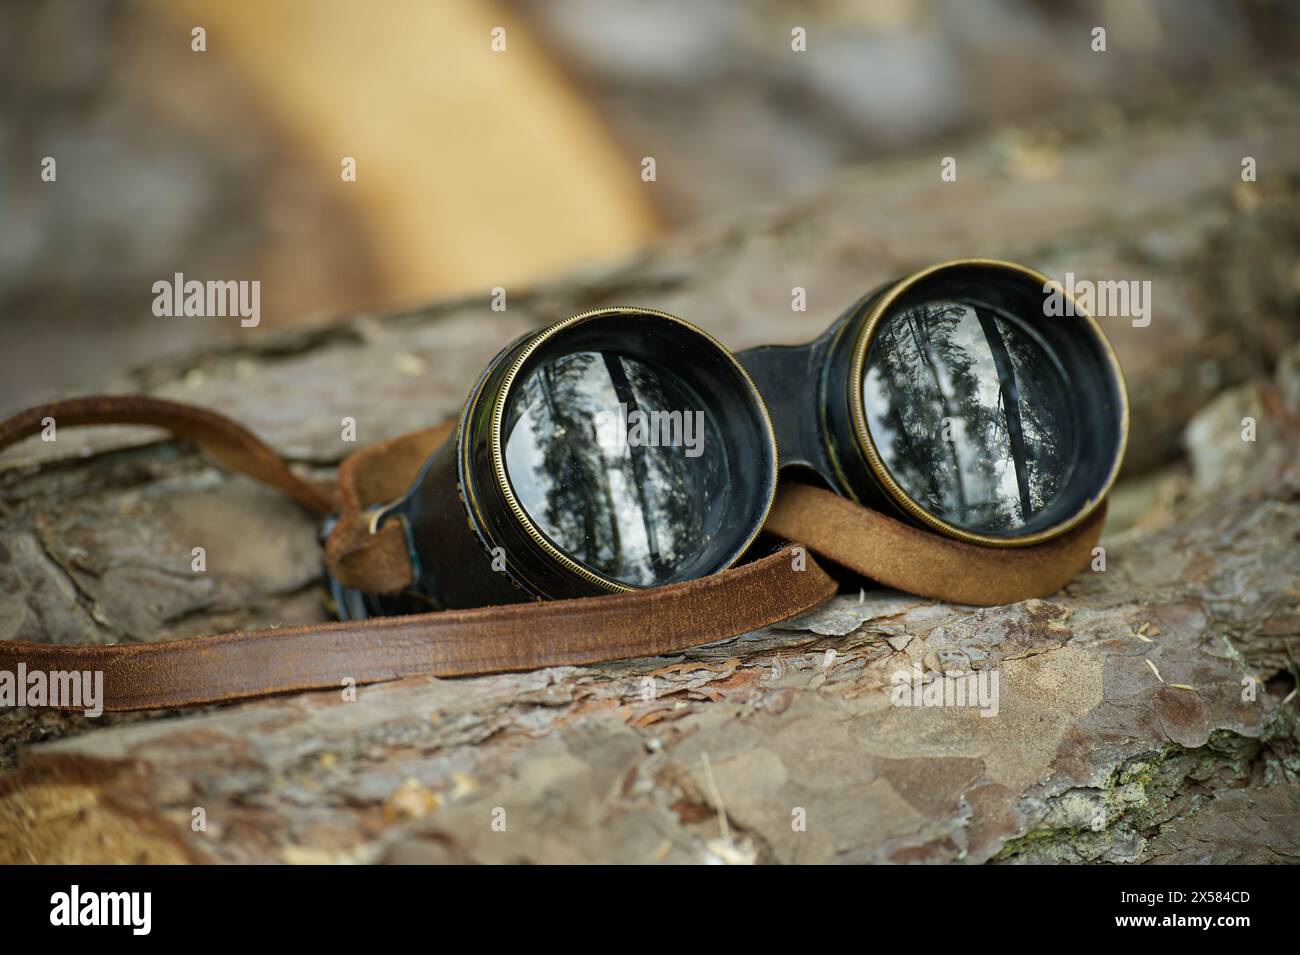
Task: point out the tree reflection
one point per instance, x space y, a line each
968 413
634 513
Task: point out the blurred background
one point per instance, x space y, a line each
477 170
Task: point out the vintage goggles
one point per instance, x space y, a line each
624 448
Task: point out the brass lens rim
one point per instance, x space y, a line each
501 402
857 405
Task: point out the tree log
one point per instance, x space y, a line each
1143 713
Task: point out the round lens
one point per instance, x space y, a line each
989 416
969 414
619 455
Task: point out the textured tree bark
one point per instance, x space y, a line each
1146 713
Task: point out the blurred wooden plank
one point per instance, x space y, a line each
475 168
1156 197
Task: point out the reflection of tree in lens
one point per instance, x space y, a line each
632 512
968 414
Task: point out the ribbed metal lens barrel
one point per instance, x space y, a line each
620 449
959 398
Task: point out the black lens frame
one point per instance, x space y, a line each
472 543
824 431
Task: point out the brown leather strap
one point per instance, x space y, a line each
239 665
454 643
376 560
376 563
899 555
232 444
493 639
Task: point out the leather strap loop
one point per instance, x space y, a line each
230 443
904 557
376 560
376 563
